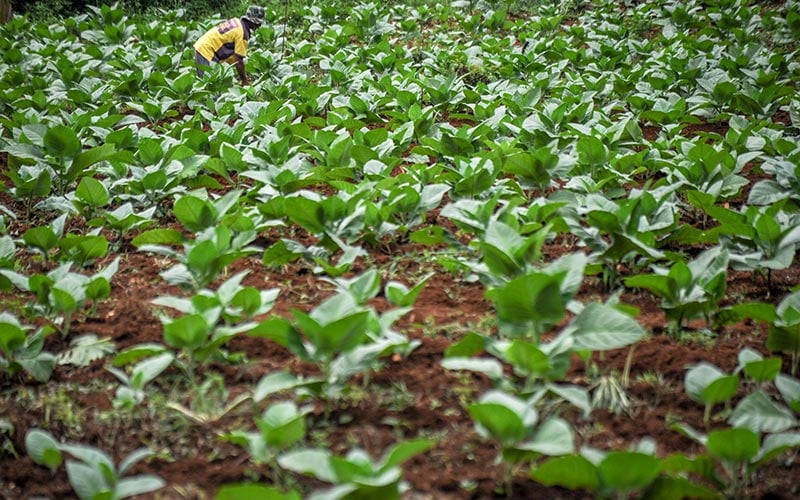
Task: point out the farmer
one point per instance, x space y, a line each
228 42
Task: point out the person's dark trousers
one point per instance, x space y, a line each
201 63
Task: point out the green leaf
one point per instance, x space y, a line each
42 238
92 192
161 236
759 413
187 332
471 344
12 335
194 213
591 151
764 370
503 417
87 481
552 437
315 462
572 472
490 367
282 425
627 470
91 157
532 297
254 492
784 339
61 141
150 368
85 349
43 448
736 445
789 388
601 327
669 488
138 485
401 452
40 367
708 384
525 356
274 383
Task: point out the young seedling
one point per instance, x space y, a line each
131 392
280 427
515 424
739 453
784 332
688 290
91 472
617 474
22 351
709 385
356 475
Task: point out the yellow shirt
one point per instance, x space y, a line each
224 42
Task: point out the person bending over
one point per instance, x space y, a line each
227 42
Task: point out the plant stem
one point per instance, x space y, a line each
508 477
626 372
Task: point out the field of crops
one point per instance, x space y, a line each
433 250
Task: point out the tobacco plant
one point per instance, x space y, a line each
24 351
92 473
356 475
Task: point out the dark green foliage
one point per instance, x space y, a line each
195 9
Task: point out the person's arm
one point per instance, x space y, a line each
240 69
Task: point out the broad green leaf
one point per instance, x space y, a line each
253 492
12 335
150 368
571 471
43 448
601 327
669 488
187 332
401 452
789 388
471 344
87 481
42 238
92 192
315 462
759 413
282 425
90 157
532 297
784 339
194 213
708 384
138 485
528 358
277 382
39 367
62 141
503 417
553 437
85 349
764 370
490 367
161 236
736 445
628 471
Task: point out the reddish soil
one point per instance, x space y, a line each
403 398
